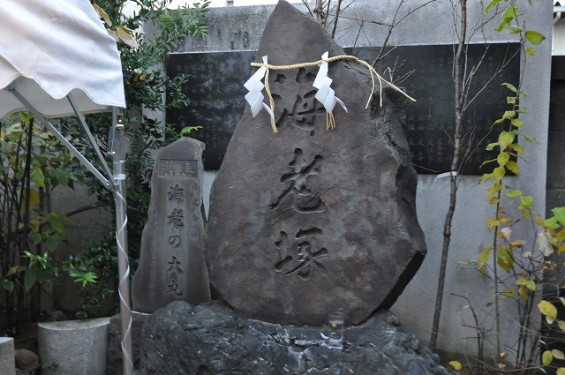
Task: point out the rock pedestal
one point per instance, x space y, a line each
211 339
308 220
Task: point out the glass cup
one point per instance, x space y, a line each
336 323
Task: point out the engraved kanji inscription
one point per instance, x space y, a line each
176 193
174 264
304 201
176 218
300 256
174 240
173 287
178 168
295 101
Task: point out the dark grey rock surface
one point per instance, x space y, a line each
212 339
309 220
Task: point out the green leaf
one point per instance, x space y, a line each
517 148
546 358
531 285
505 139
510 87
517 122
559 214
561 325
492 4
530 51
509 115
505 259
51 243
37 177
484 256
523 292
57 221
534 37
30 277
557 354
560 371
503 158
8 285
499 173
491 146
526 201
13 270
514 193
513 167
548 309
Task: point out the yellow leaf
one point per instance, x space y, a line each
560 371
557 354
548 309
126 36
509 292
531 285
492 223
518 243
523 292
506 139
561 325
456 365
102 13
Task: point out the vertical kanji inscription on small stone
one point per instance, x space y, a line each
172 265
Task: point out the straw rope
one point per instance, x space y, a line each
330 120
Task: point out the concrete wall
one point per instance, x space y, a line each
241 28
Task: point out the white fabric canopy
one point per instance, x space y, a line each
57 59
50 48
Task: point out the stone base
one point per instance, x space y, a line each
73 347
212 339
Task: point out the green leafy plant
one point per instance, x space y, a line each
144 38
34 163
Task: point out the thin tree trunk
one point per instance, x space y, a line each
459 64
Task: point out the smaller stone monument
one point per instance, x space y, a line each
172 265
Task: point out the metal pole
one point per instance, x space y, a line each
118 153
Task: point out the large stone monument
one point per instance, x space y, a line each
172 265
307 221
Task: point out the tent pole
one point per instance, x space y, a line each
62 139
86 129
118 153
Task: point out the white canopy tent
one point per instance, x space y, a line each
57 60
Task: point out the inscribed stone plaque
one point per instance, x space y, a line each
424 71
309 220
172 265
216 91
